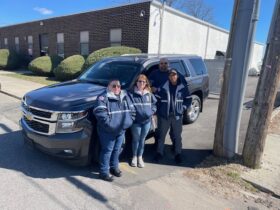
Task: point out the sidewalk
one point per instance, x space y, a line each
16 87
267 178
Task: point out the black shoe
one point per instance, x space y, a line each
178 159
116 172
106 177
158 157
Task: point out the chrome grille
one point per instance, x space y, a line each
37 126
37 112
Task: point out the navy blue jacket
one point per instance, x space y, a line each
183 100
114 114
157 78
145 105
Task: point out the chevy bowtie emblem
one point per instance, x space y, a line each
29 116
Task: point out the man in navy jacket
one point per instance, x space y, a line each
173 99
115 113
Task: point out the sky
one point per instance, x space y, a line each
18 11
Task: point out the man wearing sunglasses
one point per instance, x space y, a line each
174 99
115 113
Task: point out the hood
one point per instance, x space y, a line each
67 96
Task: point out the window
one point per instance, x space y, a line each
6 43
17 44
60 44
84 42
30 45
116 36
179 67
198 66
104 71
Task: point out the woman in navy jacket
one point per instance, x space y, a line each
145 105
115 113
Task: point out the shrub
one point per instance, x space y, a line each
69 68
44 65
108 52
9 59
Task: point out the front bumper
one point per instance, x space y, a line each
73 147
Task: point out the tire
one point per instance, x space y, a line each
191 115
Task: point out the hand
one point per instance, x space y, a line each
154 89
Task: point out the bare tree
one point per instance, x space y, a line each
196 8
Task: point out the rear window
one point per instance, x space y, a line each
198 66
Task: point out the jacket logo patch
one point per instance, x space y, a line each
101 98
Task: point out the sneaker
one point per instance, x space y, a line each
134 161
158 157
116 172
106 177
140 162
178 159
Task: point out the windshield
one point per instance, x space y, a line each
104 71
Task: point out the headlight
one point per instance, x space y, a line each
72 116
69 122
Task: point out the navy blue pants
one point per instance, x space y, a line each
110 151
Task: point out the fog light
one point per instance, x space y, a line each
68 151
67 124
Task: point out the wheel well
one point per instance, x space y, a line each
200 95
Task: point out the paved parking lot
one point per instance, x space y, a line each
30 177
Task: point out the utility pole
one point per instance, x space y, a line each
245 15
161 26
265 96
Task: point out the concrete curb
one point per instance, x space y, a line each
262 188
9 94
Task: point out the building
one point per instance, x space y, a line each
136 25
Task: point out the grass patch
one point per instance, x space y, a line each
234 175
33 78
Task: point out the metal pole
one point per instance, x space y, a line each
248 12
161 27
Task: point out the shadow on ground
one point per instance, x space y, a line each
249 104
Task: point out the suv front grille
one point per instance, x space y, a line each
37 112
37 126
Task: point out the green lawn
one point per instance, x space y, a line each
34 78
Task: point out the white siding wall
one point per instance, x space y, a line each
184 34
257 56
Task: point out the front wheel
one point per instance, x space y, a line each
191 115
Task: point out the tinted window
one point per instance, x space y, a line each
104 71
198 66
179 67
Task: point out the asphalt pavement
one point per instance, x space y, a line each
31 179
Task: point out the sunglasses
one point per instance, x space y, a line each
142 81
163 63
115 86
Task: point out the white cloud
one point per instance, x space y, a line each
43 11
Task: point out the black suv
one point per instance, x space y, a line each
58 119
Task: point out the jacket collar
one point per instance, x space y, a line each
111 95
179 85
139 92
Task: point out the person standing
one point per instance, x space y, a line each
145 105
115 113
174 99
158 78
